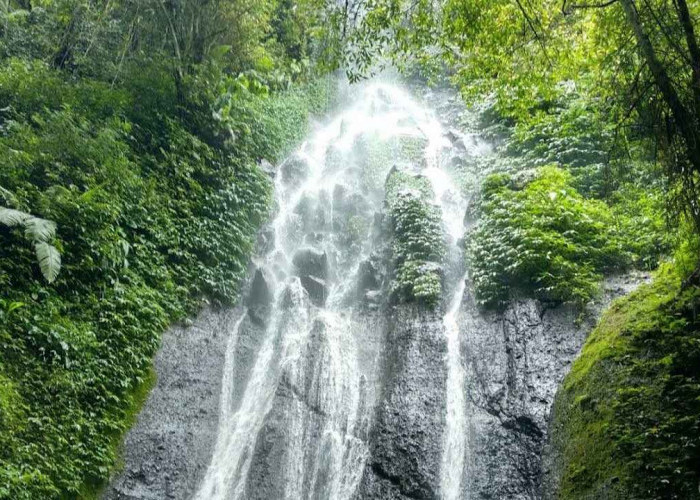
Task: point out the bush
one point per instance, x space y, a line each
541 238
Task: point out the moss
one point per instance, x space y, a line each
627 419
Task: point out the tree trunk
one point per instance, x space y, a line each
689 30
686 121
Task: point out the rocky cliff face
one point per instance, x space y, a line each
405 443
515 361
166 453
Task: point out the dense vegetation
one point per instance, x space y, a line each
604 96
129 146
418 247
541 238
130 194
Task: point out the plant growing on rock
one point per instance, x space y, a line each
419 245
541 238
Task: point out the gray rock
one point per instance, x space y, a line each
310 262
167 452
260 297
317 289
406 441
294 170
368 276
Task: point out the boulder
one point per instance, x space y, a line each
294 171
368 276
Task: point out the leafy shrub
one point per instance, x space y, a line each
627 420
541 237
419 245
639 215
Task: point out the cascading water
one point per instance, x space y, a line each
303 411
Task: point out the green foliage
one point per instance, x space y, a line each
542 238
627 420
156 213
419 245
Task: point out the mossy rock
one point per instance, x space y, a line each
626 422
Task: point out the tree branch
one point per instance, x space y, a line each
581 6
691 40
534 31
685 120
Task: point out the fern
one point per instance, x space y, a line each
41 232
40 229
12 218
49 260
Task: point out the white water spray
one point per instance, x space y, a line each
311 349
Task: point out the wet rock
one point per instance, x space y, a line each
373 299
294 170
266 239
317 289
516 360
313 238
406 442
292 296
260 297
310 262
456 138
168 450
339 194
368 276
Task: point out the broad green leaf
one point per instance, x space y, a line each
40 229
49 260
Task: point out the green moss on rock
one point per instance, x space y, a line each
626 421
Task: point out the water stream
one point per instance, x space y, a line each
316 377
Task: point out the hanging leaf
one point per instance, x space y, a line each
10 217
49 260
39 230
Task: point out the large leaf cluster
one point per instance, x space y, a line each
419 245
542 238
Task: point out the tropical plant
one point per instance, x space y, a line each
41 233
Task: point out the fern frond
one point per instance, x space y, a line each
38 229
49 260
10 217
8 196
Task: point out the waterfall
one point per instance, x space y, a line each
303 411
452 203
